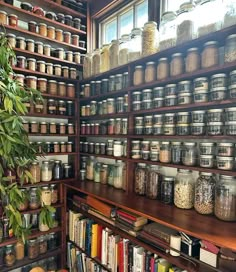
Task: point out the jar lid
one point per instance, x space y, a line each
169 114
45 162
170 96
190 144
199 112
62 143
62 83
138 102
200 79
226 177
148 117
139 118
184 170
103 144
70 85
165 143
31 77
158 99
232 73
145 151
177 55
206 156
68 16
218 75
230 123
147 91
150 63
176 143
41 61
32 22
49 64
226 144
47 45
182 125
145 142
57 65
31 59
67 33
29 40
51 27
20 38
135 93
192 49
198 124
210 43
89 143
157 115
142 164
136 142
184 94
157 126
233 36
206 174
52 123
224 158
117 142
215 123
158 89
168 178
184 82
43 123
162 59
232 87
172 85
3 12
200 91
77 19
183 113
110 99
21 57
118 75
59 30
52 81
215 110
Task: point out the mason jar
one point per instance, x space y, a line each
153 187
141 177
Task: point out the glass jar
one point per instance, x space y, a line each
183 117
200 96
150 39
30 46
176 152
34 127
39 106
165 152
141 177
39 47
215 128
207 148
96 60
33 249
210 54
225 198
51 32
124 49
189 154
225 149
167 190
150 72
162 68
200 84
185 23
206 161
105 61
225 163
135 44
176 64
34 201
184 98
153 183
35 171
118 82
46 196
42 241
3 17
184 189
211 21
89 168
57 168
114 53
104 174
215 115
182 129
230 114
138 77
87 66
192 61
46 171
54 193
205 193
9 256
19 250
229 13
198 116
230 51
198 129
118 175
167 30
22 206
97 170
120 104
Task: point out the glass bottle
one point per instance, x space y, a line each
97 170
167 190
118 177
150 39
225 198
184 189
89 168
114 53
141 176
135 44
153 190
205 193
57 170
189 154
46 171
167 30
124 49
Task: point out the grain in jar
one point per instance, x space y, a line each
124 49
57 69
67 37
11 38
47 50
96 61
114 53
61 88
35 172
162 68
87 66
72 73
210 54
42 28
70 90
39 47
176 64
70 128
105 63
41 66
192 61
52 128
165 152
77 57
43 128
20 43
69 56
150 39
75 40
51 33
31 64
52 87
59 35
31 82
3 17
60 53
150 72
30 46
62 128
138 77
141 176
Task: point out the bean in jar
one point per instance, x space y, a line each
33 249
165 152
141 176
205 193
210 54
150 39
200 96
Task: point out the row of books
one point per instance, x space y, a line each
111 250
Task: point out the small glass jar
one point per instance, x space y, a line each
69 56
21 62
198 116
72 73
34 127
52 87
35 172
170 100
158 102
9 256
184 189
153 187
169 118
20 250
42 241
162 69
215 115
67 37
41 66
65 71
30 46
225 149
42 29
184 98
169 130
47 50
136 105
206 161
51 32
20 43
183 117
141 177
70 90
118 149
176 152
176 64
225 163
31 64
210 54
33 249
167 190
207 148
62 128
150 39
61 88
230 114
198 129
150 72
138 77
49 68
215 128
3 17
138 130
189 154
192 62
218 81
182 129
200 96
46 196
59 53
32 26
205 193
34 201
165 152
232 79
200 84
218 94
68 20
59 35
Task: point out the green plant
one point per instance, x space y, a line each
45 217
16 153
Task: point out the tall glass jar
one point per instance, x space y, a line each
167 190
87 66
230 13
34 200
89 168
10 255
46 171
114 53
96 62
150 39
176 152
167 30
205 193
210 54
230 48
153 188
162 69
141 177
118 175
184 189
165 152
35 172
97 170
189 154
135 44
124 49
185 23
46 196
105 61
225 198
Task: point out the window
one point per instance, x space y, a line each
170 5
122 22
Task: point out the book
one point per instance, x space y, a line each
73 216
123 222
130 257
130 215
100 216
126 229
99 246
121 255
138 223
88 237
94 240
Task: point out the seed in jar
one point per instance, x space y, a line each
183 196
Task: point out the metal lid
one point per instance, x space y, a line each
200 79
198 124
224 158
215 110
206 156
206 174
183 113
215 123
225 144
210 43
218 75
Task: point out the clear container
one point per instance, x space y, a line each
215 128
232 91
198 129
210 54
46 171
167 30
225 163
34 200
185 23
33 248
211 21
105 61
190 154
176 152
200 84
35 171
138 77
124 49
198 116
118 179
184 98
215 115
169 129
200 96
184 189
46 196
192 61
87 66
153 184
207 161
229 13
90 168
183 129
150 72
141 177
135 44
169 118
225 149
96 61
205 193
114 53
218 81
225 198
165 152
9 255
162 68
176 64
167 190
150 39
97 170
183 117
170 100
230 48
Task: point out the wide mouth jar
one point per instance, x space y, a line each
225 149
230 128
182 129
206 161
230 114
207 148
198 116
198 129
215 115
216 128
225 163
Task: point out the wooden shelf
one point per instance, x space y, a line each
55 135
105 116
59 97
26 260
39 19
103 156
102 96
54 116
42 183
188 221
46 58
104 136
42 38
36 73
34 234
38 210
181 138
58 154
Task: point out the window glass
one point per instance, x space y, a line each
141 14
126 22
110 31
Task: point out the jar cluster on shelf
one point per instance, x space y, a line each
46 68
35 127
43 85
111 174
211 122
205 154
106 106
53 147
207 194
113 83
13 253
111 127
110 148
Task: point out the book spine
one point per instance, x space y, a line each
130 257
126 215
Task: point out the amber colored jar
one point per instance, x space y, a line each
20 43
34 127
65 71
75 40
73 73
41 66
26 126
42 85
70 90
61 88
62 128
62 146
32 26
39 47
192 61
43 29
52 128
49 68
57 69
13 20
67 37
3 17
47 50
56 147
69 147
30 45
43 128
77 57
51 108
59 35
52 87
31 64
51 33
210 54
70 129
31 82
177 64
69 56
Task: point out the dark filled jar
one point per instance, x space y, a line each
167 190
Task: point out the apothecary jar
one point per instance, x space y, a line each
141 176
150 39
